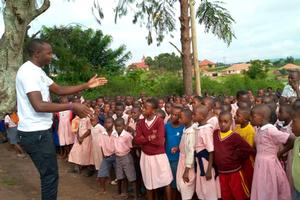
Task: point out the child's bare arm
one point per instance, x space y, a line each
209 167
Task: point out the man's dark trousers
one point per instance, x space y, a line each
40 147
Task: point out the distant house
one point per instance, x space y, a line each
291 66
205 65
139 65
236 68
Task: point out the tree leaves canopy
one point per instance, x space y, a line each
216 19
80 52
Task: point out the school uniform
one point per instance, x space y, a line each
81 154
205 189
155 167
124 161
96 132
65 135
186 159
230 152
173 137
108 150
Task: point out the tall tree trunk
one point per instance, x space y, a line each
186 47
17 15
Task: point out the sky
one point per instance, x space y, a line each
265 29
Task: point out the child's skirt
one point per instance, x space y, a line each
156 170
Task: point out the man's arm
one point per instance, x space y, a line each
67 90
39 105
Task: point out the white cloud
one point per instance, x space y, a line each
264 29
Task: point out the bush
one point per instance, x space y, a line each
169 83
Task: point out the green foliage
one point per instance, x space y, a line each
231 84
258 69
216 19
80 53
165 61
159 84
136 81
158 16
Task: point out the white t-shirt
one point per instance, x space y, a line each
32 78
7 120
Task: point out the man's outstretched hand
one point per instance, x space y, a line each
96 82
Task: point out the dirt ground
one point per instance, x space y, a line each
19 180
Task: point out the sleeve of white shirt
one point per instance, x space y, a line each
49 81
189 149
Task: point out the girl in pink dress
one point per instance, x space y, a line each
81 152
207 184
65 135
185 176
269 179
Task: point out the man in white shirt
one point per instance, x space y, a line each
293 87
35 112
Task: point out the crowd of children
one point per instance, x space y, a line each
190 147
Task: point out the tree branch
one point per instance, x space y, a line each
176 48
42 9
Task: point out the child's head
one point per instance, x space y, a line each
200 114
100 101
119 125
119 109
296 122
208 102
136 112
161 103
258 100
186 117
261 93
285 112
261 115
168 107
94 120
225 121
217 108
227 100
242 104
150 106
109 123
64 99
242 116
226 108
184 102
242 96
160 113
106 108
175 114
113 106
197 100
